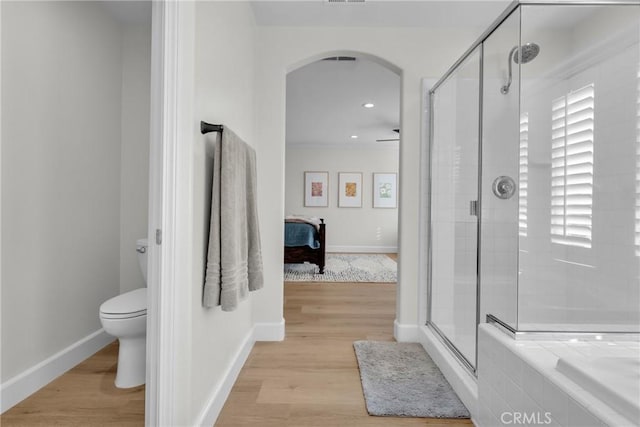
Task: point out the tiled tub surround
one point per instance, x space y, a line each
613 379
519 382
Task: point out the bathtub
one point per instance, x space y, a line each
615 380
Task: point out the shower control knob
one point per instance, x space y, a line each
504 187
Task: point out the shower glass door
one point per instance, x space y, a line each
454 207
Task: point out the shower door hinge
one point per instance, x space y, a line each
158 236
473 207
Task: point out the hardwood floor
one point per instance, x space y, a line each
84 396
312 378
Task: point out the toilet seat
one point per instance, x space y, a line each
126 306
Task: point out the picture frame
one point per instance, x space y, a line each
316 189
350 189
385 190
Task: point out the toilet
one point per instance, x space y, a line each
125 317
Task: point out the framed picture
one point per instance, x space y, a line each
385 190
350 189
316 189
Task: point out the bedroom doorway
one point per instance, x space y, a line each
341 171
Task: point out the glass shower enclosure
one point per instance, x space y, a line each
534 183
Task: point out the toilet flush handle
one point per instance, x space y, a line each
141 249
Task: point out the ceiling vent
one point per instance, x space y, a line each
340 58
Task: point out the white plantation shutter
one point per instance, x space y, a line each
572 167
523 174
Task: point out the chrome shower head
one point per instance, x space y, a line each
526 53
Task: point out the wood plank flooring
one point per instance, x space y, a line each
312 378
84 396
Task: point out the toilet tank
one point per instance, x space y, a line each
142 250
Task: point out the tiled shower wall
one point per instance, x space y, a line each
529 280
566 286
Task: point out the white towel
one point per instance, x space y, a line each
234 260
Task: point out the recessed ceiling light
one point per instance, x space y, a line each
368 105
354 136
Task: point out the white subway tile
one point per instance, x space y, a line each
578 416
486 418
513 367
514 395
532 383
556 402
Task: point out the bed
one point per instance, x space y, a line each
304 241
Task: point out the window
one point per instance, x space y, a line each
523 174
572 123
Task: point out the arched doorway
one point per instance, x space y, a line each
343 135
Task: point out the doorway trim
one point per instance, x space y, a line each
155 383
169 185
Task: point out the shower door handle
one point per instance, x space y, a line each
473 207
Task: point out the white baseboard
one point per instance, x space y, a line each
218 396
363 249
260 332
33 379
269 331
461 380
404 332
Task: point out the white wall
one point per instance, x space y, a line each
348 229
134 154
224 93
74 181
61 106
418 53
242 85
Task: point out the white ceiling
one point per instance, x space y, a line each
377 13
324 103
324 99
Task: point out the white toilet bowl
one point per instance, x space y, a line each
125 317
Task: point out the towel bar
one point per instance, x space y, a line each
208 127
